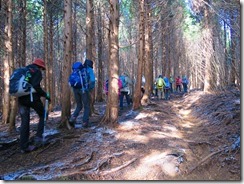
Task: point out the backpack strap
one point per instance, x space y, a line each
81 81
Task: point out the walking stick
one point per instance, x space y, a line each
45 119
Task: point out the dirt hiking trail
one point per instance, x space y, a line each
192 136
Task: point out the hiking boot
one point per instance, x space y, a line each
72 124
85 124
38 141
30 148
72 121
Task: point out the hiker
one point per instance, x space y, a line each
106 88
81 91
160 86
166 88
178 83
171 81
155 88
125 90
185 83
143 82
25 103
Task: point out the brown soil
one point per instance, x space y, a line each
189 137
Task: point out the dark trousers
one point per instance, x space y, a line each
121 98
24 110
185 87
156 91
178 87
171 87
166 93
82 99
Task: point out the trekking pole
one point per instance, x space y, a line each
45 119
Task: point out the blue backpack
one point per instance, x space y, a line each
167 84
79 78
124 83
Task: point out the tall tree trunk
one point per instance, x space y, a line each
8 58
100 50
45 45
111 115
208 39
90 44
75 33
51 63
21 34
233 52
13 100
146 96
137 93
226 65
67 62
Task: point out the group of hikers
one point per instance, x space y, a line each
163 86
25 84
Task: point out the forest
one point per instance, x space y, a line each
195 135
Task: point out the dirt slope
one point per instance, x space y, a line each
191 137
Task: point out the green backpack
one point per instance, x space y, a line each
160 83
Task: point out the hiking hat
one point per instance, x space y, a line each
88 63
39 62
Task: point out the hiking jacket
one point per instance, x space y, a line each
184 80
90 73
178 81
35 81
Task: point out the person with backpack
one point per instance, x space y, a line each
171 81
106 87
160 86
185 83
82 81
25 103
166 88
125 90
178 83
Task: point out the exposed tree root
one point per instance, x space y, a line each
48 146
118 168
203 160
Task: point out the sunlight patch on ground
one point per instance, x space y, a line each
167 164
157 135
164 134
128 125
187 124
54 114
143 115
185 112
135 138
172 131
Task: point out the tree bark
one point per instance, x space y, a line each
8 58
111 114
137 93
100 64
67 62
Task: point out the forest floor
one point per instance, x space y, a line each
193 136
